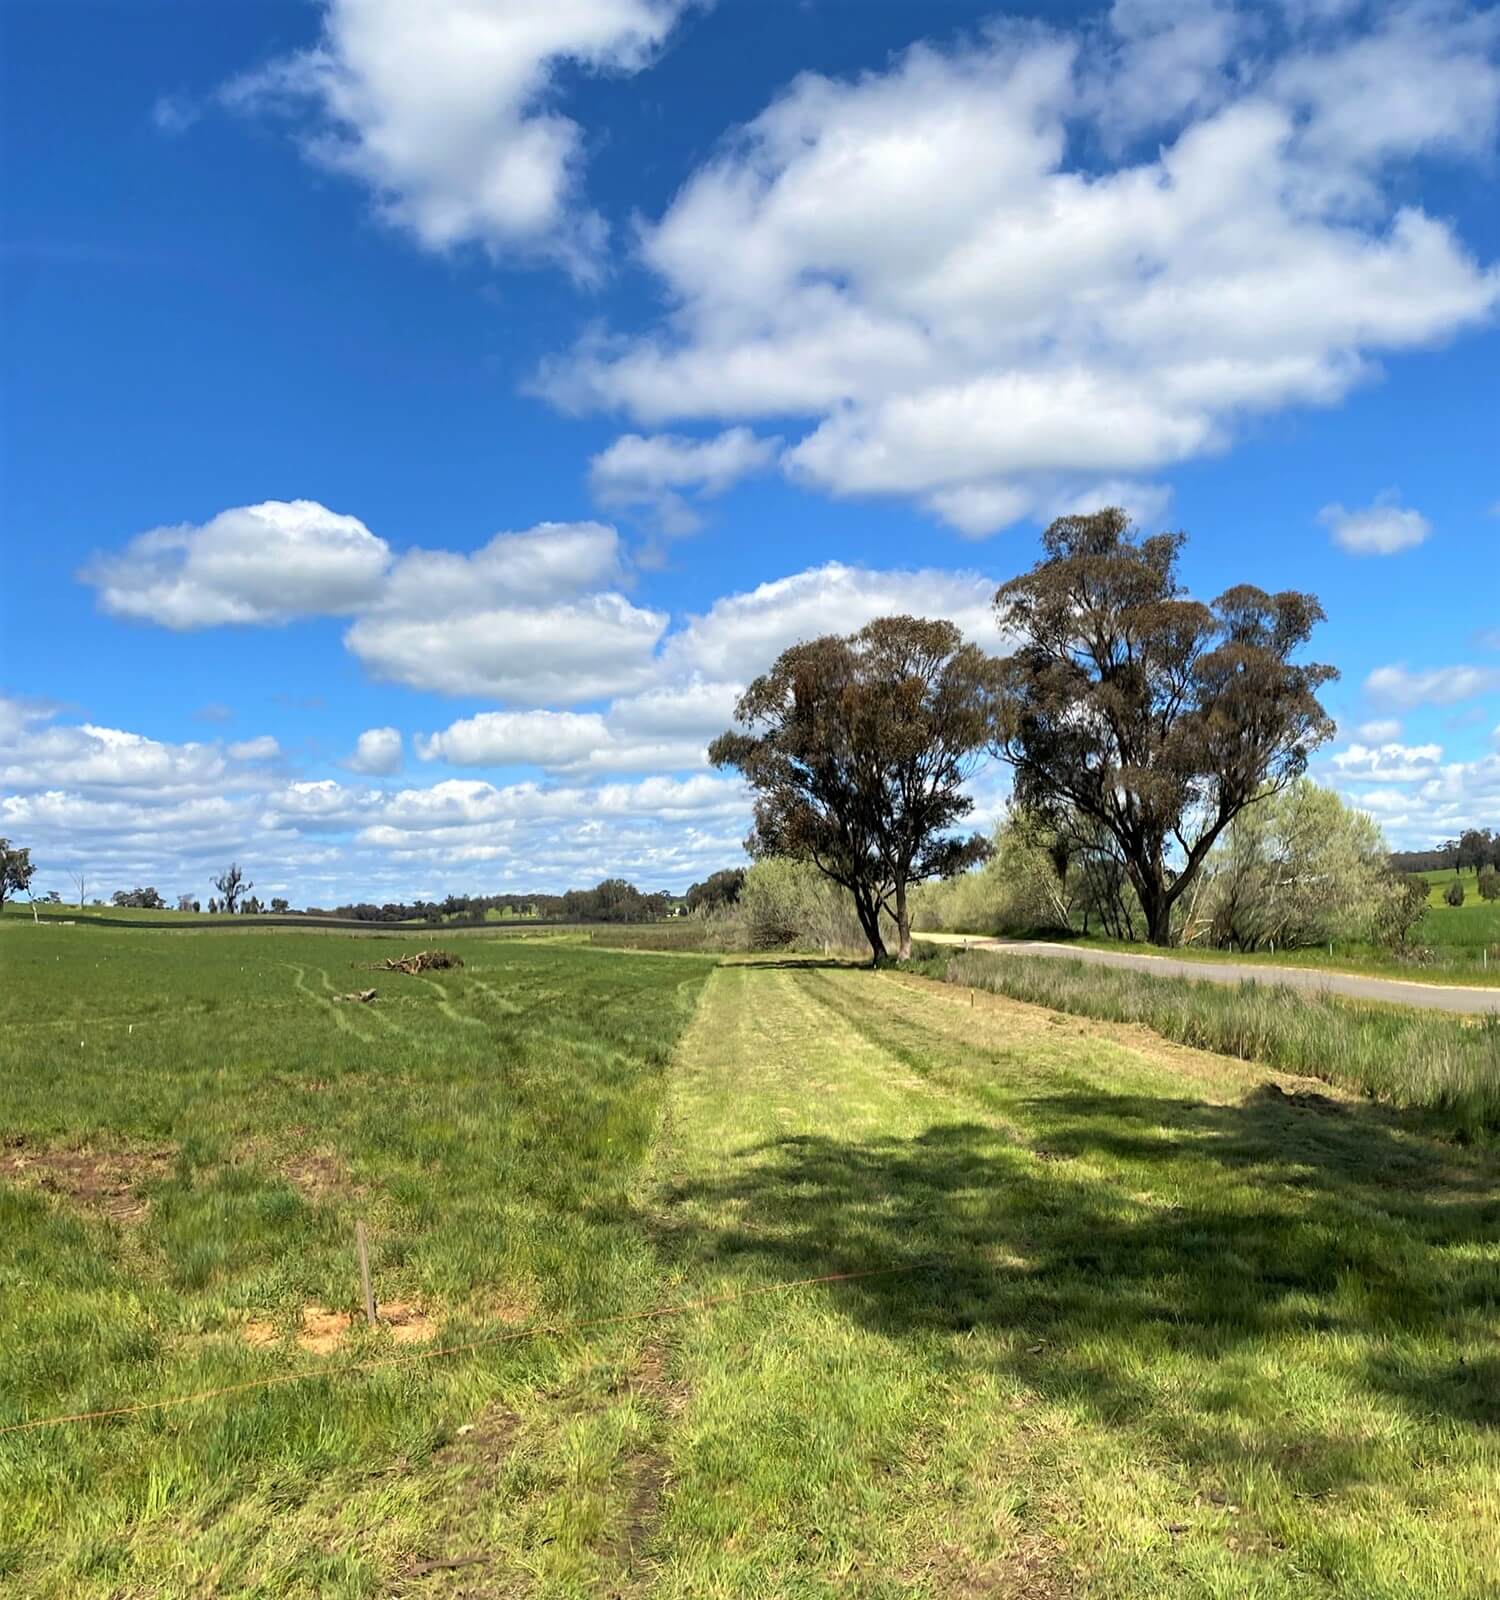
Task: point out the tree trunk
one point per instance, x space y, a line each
903 925
1156 904
869 920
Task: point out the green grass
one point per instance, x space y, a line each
1406 1058
486 1123
1143 1324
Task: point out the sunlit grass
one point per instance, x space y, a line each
1142 1321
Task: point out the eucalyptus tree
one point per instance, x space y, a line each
1155 716
858 750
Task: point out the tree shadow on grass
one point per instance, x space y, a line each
1142 1258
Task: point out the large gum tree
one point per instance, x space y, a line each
1154 715
858 750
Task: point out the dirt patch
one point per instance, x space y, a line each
106 1181
318 1176
485 1442
1028 1571
259 1334
409 1324
647 1475
323 1331
645 1471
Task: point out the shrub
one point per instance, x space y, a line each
1489 884
1455 893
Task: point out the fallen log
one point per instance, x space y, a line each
360 996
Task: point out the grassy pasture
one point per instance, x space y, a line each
1144 1321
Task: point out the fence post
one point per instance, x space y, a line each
362 1249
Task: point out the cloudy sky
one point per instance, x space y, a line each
420 420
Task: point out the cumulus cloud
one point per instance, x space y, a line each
740 635
1382 730
128 809
37 751
1457 795
267 563
1388 763
551 561
263 747
1381 529
510 738
528 616
1437 686
663 473
525 619
990 337
377 752
663 729
448 111
562 653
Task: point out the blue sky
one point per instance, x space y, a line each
419 421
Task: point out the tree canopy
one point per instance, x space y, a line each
857 749
231 884
16 870
1151 714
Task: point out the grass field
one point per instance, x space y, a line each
1138 1321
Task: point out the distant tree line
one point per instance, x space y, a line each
1473 851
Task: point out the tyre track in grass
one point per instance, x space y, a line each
341 1021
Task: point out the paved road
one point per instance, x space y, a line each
1469 1001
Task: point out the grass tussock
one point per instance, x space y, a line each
1407 1059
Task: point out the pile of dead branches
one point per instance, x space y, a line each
422 961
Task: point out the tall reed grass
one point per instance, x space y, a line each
1404 1058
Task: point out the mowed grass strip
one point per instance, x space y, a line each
189 1129
1159 1323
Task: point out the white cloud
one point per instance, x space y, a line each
1438 686
1381 529
523 620
742 634
447 111
552 561
528 655
96 757
1458 795
1388 763
262 564
659 472
517 738
1383 730
377 752
992 336
263 747
664 729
